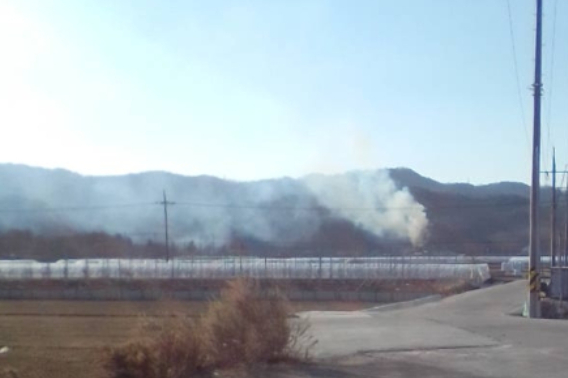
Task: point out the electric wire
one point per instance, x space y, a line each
320 208
517 77
549 100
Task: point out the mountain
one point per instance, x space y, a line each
482 219
408 178
360 212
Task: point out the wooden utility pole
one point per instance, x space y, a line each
165 203
534 253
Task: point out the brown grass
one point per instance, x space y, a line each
238 331
9 373
64 339
174 353
447 288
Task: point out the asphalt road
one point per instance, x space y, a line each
471 335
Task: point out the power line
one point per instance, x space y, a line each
551 80
564 176
77 208
378 208
516 69
419 206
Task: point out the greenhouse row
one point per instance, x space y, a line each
230 267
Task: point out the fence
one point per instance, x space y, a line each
391 268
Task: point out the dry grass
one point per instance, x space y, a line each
64 339
238 331
447 288
176 352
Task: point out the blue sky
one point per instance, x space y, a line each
256 89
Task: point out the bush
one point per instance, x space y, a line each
9 373
238 330
176 352
242 329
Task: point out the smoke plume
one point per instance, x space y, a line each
372 201
207 210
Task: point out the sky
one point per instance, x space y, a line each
248 90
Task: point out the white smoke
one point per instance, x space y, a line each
209 210
372 201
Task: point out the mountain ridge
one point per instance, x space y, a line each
392 210
408 175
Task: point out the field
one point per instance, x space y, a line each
54 338
65 338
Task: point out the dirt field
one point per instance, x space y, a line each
65 338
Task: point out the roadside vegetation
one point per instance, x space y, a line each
449 288
238 332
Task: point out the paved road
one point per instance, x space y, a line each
469 335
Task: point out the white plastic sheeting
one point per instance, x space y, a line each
229 267
518 265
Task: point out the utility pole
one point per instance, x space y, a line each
165 203
534 253
555 256
562 260
553 213
565 262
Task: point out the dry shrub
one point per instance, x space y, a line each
301 341
237 331
240 328
135 360
175 352
9 373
